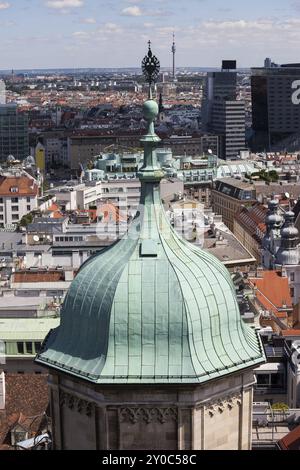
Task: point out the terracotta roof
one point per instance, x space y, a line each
47 276
288 333
54 207
26 401
26 186
291 441
111 213
273 291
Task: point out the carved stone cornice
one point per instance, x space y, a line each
75 403
148 415
220 405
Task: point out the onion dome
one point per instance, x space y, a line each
288 253
152 308
274 219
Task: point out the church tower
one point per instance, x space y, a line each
151 352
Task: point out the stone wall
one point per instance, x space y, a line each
214 416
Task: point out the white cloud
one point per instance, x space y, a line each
65 4
4 5
132 11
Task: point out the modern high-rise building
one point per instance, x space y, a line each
276 116
222 113
14 138
228 119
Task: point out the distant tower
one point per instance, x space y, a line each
161 106
2 92
174 52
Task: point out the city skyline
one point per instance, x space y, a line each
78 33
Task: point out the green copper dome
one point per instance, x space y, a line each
150 110
152 308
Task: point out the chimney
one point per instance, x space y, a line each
2 391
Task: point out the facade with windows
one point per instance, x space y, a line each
22 338
18 196
275 116
229 195
14 137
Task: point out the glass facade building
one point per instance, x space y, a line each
14 138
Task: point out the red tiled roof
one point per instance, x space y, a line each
111 213
26 186
288 333
291 441
273 291
54 207
26 399
28 276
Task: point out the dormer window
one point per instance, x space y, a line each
14 189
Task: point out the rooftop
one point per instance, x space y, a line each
291 441
273 292
26 401
31 329
17 186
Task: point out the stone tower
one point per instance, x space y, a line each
151 352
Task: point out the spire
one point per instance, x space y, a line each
150 171
174 52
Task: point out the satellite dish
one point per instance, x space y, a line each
48 237
36 238
210 151
287 195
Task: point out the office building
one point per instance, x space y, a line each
228 119
229 195
14 138
223 114
276 116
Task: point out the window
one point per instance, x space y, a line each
37 346
292 277
29 348
20 347
263 379
28 199
1 200
28 208
15 208
14 200
15 217
292 292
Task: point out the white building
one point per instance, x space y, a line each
18 196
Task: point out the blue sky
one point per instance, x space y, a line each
114 33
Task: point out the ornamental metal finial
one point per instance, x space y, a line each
150 66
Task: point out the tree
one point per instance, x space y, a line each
26 220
